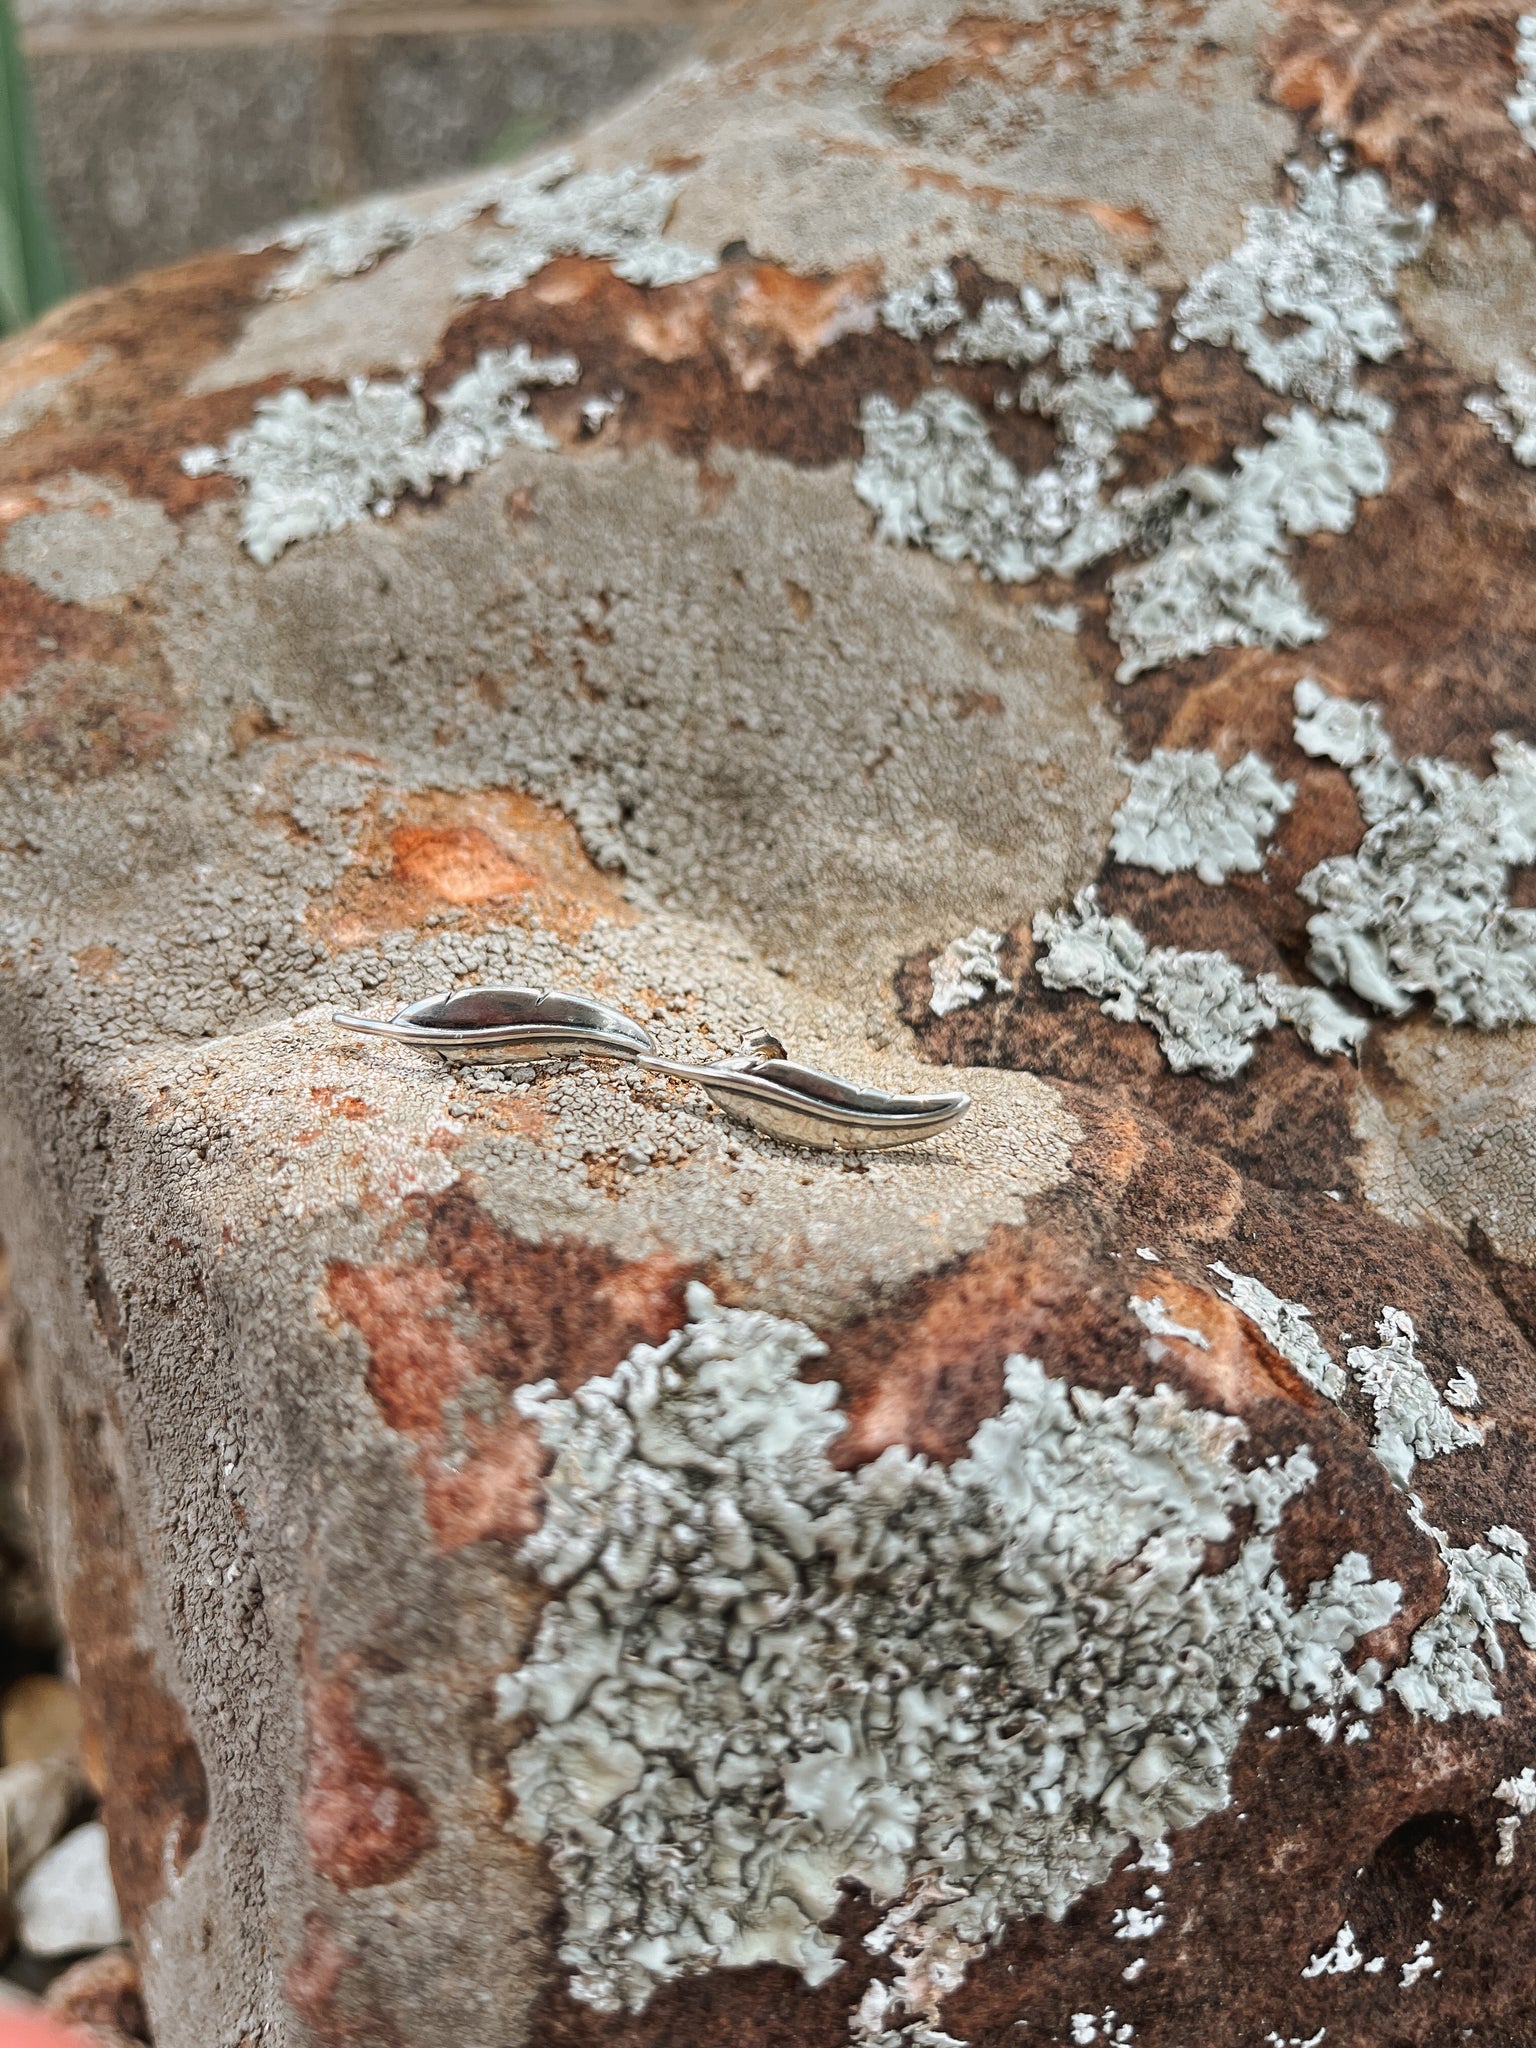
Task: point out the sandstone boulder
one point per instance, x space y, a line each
996 545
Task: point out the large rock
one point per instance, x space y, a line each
1114 1623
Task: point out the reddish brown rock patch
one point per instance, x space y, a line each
326 1989
1418 89
137 1744
498 856
450 1335
364 1823
36 628
1429 599
751 356
126 415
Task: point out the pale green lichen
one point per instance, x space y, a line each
1512 415
1185 811
760 1676
1206 1012
1422 908
926 306
1219 576
1413 1421
311 466
552 210
560 211
1521 105
934 478
1306 296
968 970
1107 310
1454 1655
1520 1793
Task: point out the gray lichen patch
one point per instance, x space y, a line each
313 466
1521 105
1423 907
760 1676
552 210
932 474
926 306
1216 541
1206 1012
1413 1420
1520 1793
968 970
1185 811
1288 1326
1455 1655
1512 415
1151 1311
1306 296
560 211
1319 1019
1219 575
1106 311
934 477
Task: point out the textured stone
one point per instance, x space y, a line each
389 1440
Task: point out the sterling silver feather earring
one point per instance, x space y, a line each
758 1085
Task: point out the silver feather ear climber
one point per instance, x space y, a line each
758 1085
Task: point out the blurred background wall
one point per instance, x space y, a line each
166 126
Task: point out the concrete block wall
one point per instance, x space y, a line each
168 126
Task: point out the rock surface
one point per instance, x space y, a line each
816 499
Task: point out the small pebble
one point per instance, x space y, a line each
66 1904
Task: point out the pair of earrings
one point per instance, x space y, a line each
758 1085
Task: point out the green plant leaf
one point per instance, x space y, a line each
32 269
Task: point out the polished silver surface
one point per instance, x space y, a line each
759 1084
498 1026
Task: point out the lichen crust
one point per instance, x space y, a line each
760 1678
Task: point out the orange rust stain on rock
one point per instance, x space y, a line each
1062 50
479 1472
927 1373
352 1107
98 963
19 504
137 1745
28 361
449 1338
495 855
1418 88
364 1824
1127 223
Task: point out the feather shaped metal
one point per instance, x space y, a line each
759 1084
